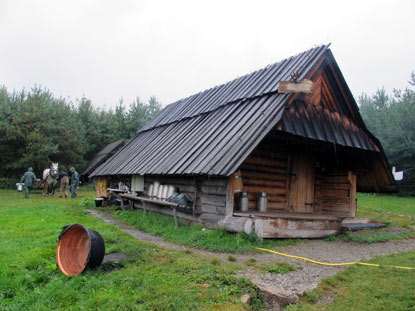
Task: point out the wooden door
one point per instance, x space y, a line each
301 190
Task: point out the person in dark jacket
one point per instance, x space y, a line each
64 180
28 179
74 182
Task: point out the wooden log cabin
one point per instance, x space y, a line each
292 130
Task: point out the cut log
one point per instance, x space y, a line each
238 224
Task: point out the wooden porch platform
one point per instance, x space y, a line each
275 224
286 215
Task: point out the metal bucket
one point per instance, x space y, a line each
243 201
98 202
19 187
78 248
262 202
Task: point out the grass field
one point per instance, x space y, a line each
149 279
371 288
155 279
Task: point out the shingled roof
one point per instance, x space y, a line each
212 132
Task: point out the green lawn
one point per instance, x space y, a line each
384 203
370 288
149 279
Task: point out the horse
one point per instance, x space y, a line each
50 179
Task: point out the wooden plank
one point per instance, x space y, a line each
268 190
263 175
353 207
303 86
262 168
301 194
230 197
218 190
252 196
266 162
263 182
332 186
176 223
210 199
287 215
271 205
341 200
336 192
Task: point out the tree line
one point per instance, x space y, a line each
37 128
391 118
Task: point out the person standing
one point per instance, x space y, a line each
64 179
74 182
28 179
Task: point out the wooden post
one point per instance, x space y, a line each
176 224
144 207
121 203
194 205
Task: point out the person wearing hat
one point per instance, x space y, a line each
74 182
28 179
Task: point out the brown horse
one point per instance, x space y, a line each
50 179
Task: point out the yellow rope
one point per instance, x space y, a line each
334 264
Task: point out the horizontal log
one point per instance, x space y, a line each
220 210
219 190
270 206
272 176
263 182
210 199
271 198
335 192
262 169
329 186
266 162
185 188
238 224
341 200
332 179
268 190
210 209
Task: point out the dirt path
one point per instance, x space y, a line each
288 285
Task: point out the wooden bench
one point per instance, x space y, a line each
173 206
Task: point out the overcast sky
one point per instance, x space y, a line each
106 50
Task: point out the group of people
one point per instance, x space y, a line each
29 179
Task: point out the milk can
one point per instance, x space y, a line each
150 190
243 202
262 202
156 187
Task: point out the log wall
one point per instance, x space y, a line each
266 171
210 194
335 193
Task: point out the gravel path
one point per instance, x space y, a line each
292 284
